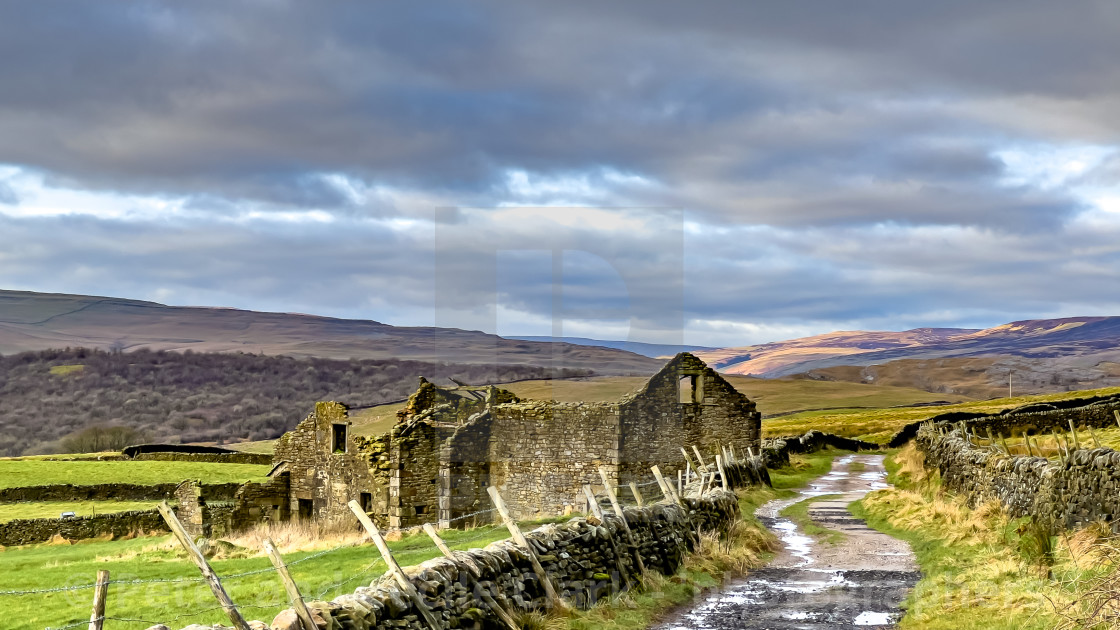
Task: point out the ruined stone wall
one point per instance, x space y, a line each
1066 494
326 479
541 453
464 474
30 531
414 468
656 424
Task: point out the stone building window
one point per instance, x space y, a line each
338 438
366 499
687 389
305 508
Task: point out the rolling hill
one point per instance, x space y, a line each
1049 355
40 321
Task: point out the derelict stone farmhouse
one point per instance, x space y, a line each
450 444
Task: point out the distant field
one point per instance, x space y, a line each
53 509
19 473
773 396
878 425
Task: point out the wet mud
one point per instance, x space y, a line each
857 583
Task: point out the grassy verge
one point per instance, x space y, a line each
716 561
980 568
53 509
799 514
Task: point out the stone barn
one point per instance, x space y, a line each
449 444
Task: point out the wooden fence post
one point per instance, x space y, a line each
394 568
666 489
688 459
1073 430
498 608
100 592
680 481
622 517
551 597
289 585
699 457
1094 434
637 493
722 473
203 566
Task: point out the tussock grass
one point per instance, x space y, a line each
297 536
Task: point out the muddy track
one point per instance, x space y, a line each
858 582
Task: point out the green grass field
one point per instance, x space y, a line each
878 425
260 594
52 509
16 473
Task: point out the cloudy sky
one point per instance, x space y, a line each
725 173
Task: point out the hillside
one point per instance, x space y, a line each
200 397
1046 349
40 321
653 350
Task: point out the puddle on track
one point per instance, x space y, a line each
811 585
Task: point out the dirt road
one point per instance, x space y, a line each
858 582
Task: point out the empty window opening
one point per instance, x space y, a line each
421 509
306 509
688 389
366 500
338 440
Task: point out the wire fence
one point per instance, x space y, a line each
303 571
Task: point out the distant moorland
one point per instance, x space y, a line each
200 397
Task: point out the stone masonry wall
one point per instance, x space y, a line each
414 468
30 531
656 424
1068 494
541 453
324 479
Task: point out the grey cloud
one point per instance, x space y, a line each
243 101
7 195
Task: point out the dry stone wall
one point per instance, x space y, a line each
1032 419
586 559
776 451
99 492
30 531
261 459
1080 490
